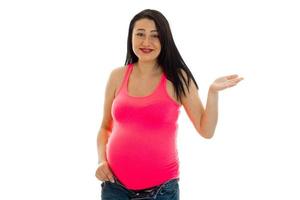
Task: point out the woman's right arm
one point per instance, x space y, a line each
103 171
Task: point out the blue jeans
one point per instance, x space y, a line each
116 191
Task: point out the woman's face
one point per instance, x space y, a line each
145 40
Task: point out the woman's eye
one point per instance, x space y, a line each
139 34
155 36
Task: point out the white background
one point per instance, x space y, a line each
55 59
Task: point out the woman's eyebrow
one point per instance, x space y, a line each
141 29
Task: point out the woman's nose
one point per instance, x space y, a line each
147 41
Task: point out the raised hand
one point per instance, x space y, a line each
225 82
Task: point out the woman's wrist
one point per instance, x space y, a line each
101 161
212 91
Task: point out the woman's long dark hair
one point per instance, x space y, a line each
169 57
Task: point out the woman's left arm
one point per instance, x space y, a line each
205 120
209 117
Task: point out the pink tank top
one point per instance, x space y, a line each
141 150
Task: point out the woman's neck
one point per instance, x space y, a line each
147 68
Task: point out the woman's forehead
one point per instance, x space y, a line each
145 25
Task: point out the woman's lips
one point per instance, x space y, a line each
145 50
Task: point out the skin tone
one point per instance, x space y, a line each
147 47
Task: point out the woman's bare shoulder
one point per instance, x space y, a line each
117 75
118 72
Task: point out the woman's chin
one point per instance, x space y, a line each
146 58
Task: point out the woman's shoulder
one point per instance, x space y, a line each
117 73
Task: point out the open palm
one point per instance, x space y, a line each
225 82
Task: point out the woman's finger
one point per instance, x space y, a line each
232 76
108 174
100 174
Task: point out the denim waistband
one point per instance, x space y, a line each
146 189
147 193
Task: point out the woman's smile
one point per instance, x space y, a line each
146 50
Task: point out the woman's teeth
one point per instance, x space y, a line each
146 50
